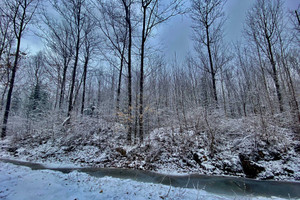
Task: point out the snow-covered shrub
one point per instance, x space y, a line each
211 143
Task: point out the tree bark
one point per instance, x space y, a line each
212 70
275 75
129 109
12 80
78 16
62 89
120 82
10 90
264 79
141 106
84 82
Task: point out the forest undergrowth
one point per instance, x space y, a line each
253 146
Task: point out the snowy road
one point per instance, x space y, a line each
22 183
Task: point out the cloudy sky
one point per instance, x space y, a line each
236 11
174 36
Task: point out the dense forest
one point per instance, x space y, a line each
102 92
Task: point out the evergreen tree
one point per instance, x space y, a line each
16 102
37 102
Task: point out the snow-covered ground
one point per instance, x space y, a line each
241 147
17 182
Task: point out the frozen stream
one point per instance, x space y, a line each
214 184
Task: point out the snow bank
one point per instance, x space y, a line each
22 183
240 148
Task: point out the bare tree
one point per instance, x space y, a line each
262 22
208 20
113 25
295 19
127 7
36 69
284 41
90 45
6 31
72 11
58 39
7 38
153 14
77 20
21 13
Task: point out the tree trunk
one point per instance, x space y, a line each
212 70
62 89
120 82
136 120
141 106
4 93
74 72
275 75
295 107
223 94
297 16
12 81
84 82
264 80
99 93
128 20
